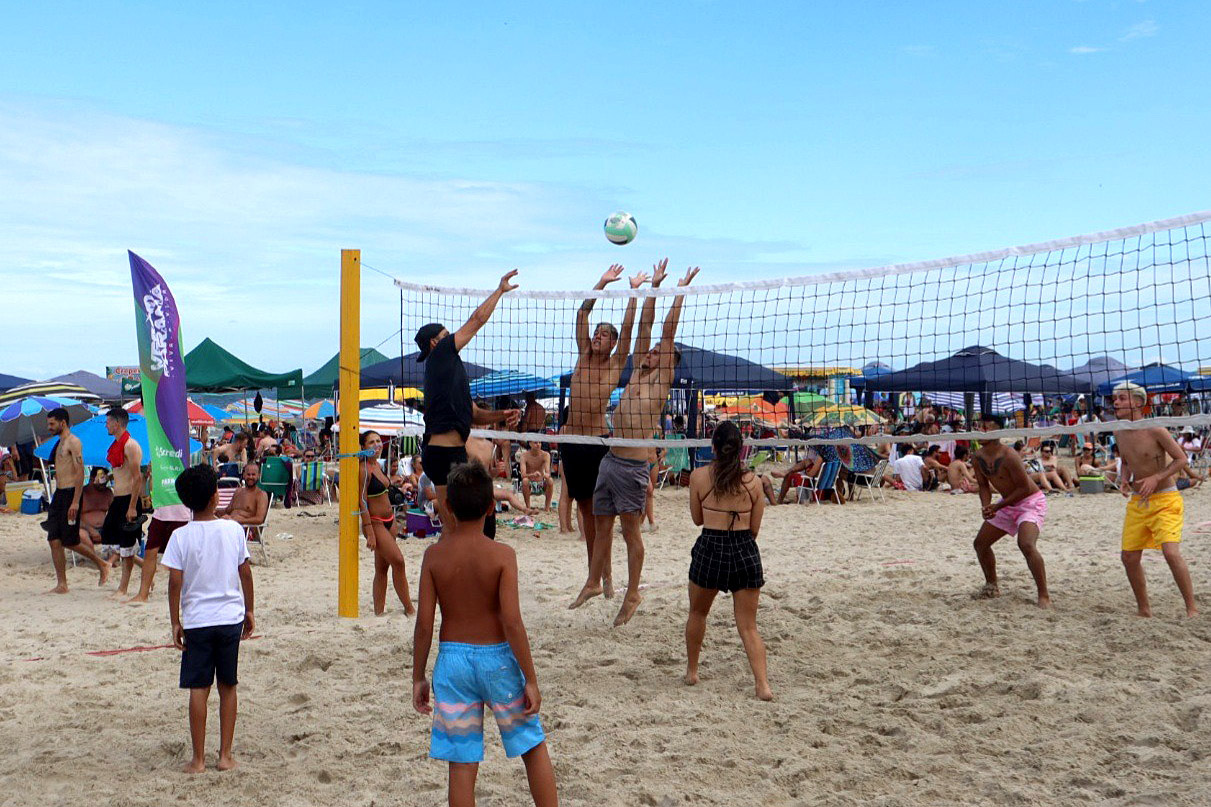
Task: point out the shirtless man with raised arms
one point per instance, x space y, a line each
622 480
602 356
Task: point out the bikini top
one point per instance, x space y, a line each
734 513
374 485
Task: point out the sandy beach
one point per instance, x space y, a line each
893 685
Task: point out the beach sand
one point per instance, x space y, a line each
894 685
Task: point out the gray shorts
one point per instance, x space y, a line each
622 486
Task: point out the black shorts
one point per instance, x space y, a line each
438 460
211 652
578 462
58 527
116 530
490 524
726 560
158 533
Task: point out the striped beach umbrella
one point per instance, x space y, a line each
841 415
24 420
54 389
198 416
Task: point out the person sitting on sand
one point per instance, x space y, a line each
726 500
1033 468
1020 511
1155 510
249 504
934 466
959 473
535 465
910 469
484 654
1057 475
94 504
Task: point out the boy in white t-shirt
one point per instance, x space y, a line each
210 604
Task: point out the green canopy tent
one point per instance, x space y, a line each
321 383
211 368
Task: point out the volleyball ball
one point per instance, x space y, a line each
621 228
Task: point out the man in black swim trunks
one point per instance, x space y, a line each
449 411
125 456
63 519
601 358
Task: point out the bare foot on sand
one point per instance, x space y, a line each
227 763
607 586
103 577
587 593
764 692
137 601
1044 601
690 678
629 603
409 609
60 589
195 766
989 592
1191 612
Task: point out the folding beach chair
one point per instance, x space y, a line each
677 460
310 478
871 481
823 482
228 485
276 476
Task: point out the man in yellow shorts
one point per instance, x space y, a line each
1151 460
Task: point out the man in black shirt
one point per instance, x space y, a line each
449 411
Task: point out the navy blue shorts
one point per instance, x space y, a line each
210 652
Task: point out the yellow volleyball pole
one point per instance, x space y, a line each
350 383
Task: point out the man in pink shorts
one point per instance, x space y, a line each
1020 511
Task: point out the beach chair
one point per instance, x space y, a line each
757 459
826 480
228 485
310 478
677 460
871 481
255 533
276 476
703 456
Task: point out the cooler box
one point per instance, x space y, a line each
1092 484
31 501
15 490
418 523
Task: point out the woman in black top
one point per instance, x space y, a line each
378 525
727 501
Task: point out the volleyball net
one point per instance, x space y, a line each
797 358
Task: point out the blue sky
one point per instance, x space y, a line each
239 147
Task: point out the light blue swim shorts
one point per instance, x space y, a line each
465 677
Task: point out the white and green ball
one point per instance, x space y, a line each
621 228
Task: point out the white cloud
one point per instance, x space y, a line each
1083 49
1140 30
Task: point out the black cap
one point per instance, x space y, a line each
426 333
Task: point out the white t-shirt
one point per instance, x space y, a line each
209 554
1191 446
909 470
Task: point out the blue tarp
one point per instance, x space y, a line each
96 441
1154 378
511 382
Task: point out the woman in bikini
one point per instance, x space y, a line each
378 525
727 501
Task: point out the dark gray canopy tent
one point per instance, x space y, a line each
405 371
979 371
705 371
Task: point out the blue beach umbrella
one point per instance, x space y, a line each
24 420
96 441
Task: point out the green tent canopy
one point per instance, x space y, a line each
211 368
320 383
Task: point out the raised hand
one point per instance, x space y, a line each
639 279
613 273
505 285
659 271
690 274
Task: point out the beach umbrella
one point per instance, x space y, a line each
217 412
841 415
758 409
320 410
24 420
198 416
509 382
49 389
387 418
96 440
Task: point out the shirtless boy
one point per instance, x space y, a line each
622 479
126 458
601 359
1020 511
63 519
959 473
484 654
249 504
1151 459
536 470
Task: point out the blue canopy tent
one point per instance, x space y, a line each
511 382
981 371
705 370
1155 377
7 382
